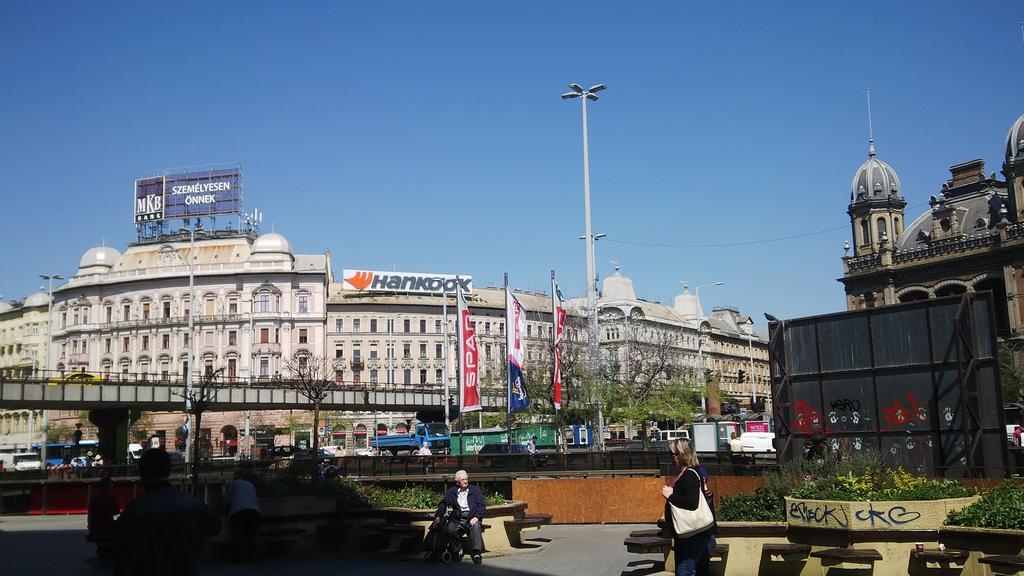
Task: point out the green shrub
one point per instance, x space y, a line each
880 483
1001 507
761 506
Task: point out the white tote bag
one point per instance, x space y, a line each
690 522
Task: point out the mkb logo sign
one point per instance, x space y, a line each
411 282
149 199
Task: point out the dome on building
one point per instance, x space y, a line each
688 305
37 299
99 256
1015 140
874 180
4 307
617 287
272 243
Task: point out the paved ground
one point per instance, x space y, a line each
56 544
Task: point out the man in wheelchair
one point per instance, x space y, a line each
463 507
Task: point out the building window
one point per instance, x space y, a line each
167 308
264 335
373 376
165 341
357 353
303 303
232 338
145 343
264 302
438 350
126 344
185 340
881 228
339 324
423 349
406 351
126 312
864 236
209 339
423 326
356 325
423 376
109 313
391 349
437 326
373 350
145 310
339 351
391 377
407 376
106 345
264 367
303 336
529 331
439 376
233 305
487 327
487 351
391 326
405 325
373 325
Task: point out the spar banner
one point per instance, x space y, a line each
188 195
407 282
469 360
515 333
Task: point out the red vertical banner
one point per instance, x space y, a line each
469 359
558 319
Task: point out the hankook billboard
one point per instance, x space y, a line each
188 195
408 282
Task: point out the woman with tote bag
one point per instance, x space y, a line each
688 513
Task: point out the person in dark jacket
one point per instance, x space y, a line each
161 532
693 553
467 506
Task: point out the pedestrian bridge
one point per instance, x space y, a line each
69 394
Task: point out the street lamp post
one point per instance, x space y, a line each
584 95
46 355
189 457
700 342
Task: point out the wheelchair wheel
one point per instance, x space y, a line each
446 556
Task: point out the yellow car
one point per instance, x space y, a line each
78 378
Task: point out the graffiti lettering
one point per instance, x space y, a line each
895 516
821 514
846 404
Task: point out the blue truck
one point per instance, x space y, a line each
435 434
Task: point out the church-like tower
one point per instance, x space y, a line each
876 206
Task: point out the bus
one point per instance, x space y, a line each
58 453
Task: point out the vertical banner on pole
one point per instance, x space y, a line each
515 333
469 389
558 320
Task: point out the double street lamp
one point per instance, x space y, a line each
700 342
584 96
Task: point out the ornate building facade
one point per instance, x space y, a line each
970 239
22 351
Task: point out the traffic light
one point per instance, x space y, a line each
741 376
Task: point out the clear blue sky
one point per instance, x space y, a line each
429 136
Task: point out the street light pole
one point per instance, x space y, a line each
584 95
700 342
189 457
49 344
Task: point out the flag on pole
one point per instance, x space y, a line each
469 358
515 332
558 319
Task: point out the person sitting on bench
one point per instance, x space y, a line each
467 506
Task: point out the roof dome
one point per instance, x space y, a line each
688 305
272 243
874 180
617 287
4 307
1015 139
37 299
99 256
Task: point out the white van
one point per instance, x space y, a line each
758 441
26 461
666 435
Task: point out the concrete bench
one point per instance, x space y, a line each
721 551
941 556
647 532
848 555
785 549
647 544
1005 562
515 527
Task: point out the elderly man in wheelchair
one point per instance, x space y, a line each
461 513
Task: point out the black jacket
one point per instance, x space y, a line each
477 504
685 494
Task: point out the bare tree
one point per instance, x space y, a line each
203 394
308 377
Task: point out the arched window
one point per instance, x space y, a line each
881 228
896 229
865 238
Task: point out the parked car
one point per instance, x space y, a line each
27 461
505 454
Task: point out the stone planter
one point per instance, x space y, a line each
878 515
